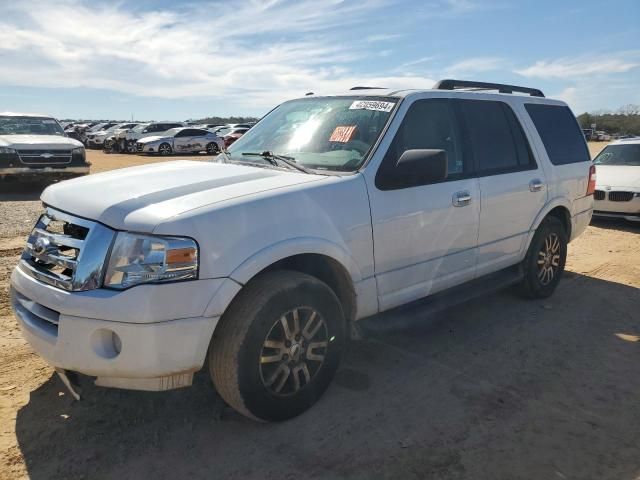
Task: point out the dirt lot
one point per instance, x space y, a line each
498 388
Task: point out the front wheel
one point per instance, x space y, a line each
165 149
278 346
544 263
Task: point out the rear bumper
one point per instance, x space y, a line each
580 222
44 172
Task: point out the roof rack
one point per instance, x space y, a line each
367 88
500 87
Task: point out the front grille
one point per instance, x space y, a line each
45 157
66 251
599 195
620 196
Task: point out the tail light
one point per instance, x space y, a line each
591 186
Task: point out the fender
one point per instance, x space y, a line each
295 246
253 265
550 205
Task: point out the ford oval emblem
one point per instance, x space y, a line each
40 246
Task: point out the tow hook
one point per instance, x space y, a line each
70 380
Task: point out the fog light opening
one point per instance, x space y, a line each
106 343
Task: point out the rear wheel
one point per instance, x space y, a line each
213 149
544 264
165 149
278 346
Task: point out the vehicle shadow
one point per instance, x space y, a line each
16 191
499 387
616 224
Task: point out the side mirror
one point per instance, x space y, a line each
420 167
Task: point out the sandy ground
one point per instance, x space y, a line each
498 388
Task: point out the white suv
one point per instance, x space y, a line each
329 210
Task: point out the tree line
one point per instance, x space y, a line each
225 120
625 121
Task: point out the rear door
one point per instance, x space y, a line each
562 144
512 185
424 235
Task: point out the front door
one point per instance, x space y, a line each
425 236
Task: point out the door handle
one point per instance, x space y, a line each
536 185
460 199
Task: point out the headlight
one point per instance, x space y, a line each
137 259
78 154
7 150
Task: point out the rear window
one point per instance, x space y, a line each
560 133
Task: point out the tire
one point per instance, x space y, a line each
544 263
213 148
165 149
244 363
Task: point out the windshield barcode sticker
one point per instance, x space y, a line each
372 105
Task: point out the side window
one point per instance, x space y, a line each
185 133
428 124
495 138
560 133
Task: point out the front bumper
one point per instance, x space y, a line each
618 209
44 172
150 337
146 147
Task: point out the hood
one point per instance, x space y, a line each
140 198
153 139
52 142
617 176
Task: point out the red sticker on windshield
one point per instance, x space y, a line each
343 134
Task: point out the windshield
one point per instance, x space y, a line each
10 125
173 131
140 128
325 133
620 155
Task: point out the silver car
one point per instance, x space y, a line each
181 140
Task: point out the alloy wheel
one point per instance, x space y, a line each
549 259
293 351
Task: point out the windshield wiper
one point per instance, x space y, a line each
274 158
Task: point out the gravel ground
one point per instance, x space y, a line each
499 388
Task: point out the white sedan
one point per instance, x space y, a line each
618 180
181 140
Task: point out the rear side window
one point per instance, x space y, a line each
560 133
495 137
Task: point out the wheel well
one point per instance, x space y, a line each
562 214
327 270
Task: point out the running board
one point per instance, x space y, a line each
411 313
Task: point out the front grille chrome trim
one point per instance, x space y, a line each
70 261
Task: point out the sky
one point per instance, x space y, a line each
176 60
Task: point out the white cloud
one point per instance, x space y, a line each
256 53
567 68
475 65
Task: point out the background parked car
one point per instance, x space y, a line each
618 180
234 135
181 140
35 147
96 140
111 143
89 132
151 129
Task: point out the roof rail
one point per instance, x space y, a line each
500 87
367 88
